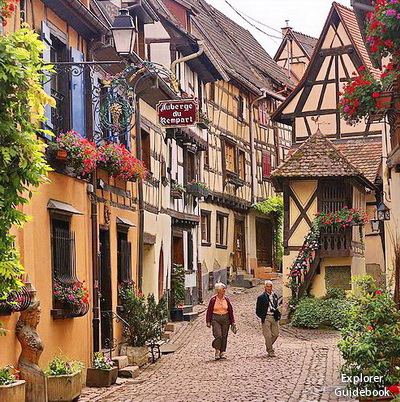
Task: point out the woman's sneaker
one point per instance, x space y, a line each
217 355
222 355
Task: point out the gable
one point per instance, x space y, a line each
338 54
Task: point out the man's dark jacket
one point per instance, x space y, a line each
262 304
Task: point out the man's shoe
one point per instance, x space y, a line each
222 355
217 355
272 354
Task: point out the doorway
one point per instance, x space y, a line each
264 242
105 290
239 260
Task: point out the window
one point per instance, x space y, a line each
146 149
124 257
241 108
263 114
334 196
205 228
241 164
63 250
222 230
266 164
190 166
230 153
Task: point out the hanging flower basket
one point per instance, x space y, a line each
177 191
385 100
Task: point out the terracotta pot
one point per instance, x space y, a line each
101 378
61 155
64 388
14 392
137 355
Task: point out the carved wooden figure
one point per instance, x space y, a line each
32 348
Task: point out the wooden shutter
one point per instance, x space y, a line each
78 96
266 164
190 250
46 39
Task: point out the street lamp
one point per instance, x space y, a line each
383 212
124 33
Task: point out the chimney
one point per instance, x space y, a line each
286 28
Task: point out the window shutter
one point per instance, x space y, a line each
266 164
190 250
46 39
78 96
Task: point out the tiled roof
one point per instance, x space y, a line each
238 51
307 42
316 157
363 153
350 22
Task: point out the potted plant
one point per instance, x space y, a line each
204 120
11 387
177 191
64 382
76 151
370 341
117 160
365 96
197 188
103 373
145 319
71 299
177 292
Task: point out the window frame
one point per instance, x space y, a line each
224 218
207 215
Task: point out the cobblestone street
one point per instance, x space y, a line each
305 368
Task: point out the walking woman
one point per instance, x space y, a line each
220 317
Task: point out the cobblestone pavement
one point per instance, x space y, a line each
305 368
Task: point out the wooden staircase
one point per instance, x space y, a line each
309 276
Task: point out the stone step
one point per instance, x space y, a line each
167 335
121 361
129 372
170 327
244 283
190 316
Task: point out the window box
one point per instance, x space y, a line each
197 189
67 312
176 194
385 99
204 121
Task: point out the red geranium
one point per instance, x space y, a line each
7 7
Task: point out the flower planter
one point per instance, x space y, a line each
176 194
385 98
176 314
197 190
64 387
61 155
203 123
14 392
137 355
101 378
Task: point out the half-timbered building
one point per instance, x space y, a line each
312 106
294 53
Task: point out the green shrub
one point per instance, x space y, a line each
370 342
144 316
177 285
312 312
335 293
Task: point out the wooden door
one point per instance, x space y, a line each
177 249
105 290
239 262
264 242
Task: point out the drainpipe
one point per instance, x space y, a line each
188 57
253 157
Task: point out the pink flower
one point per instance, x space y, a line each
391 12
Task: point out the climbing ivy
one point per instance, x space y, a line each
273 207
22 166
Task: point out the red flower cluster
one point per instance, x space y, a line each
7 7
121 163
343 218
72 295
360 96
383 26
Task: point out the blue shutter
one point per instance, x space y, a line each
78 96
46 39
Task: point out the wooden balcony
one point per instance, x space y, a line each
340 242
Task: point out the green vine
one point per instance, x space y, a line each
273 207
22 166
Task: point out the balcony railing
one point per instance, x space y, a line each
340 242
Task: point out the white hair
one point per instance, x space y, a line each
268 283
219 285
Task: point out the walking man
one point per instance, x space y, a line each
267 310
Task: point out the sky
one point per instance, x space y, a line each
306 16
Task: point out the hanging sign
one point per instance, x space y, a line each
177 113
